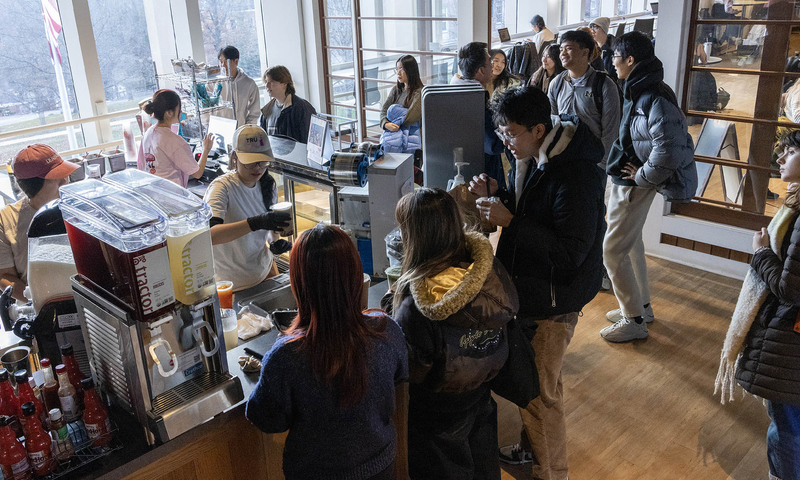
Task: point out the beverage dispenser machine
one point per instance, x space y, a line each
147 303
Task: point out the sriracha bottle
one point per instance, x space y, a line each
13 458
95 416
37 442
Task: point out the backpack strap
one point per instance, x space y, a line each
598 83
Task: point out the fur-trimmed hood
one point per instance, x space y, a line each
482 290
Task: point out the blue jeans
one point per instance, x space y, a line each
783 440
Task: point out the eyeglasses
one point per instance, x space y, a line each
510 139
617 56
398 70
255 166
499 62
594 26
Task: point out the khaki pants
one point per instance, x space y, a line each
623 247
543 419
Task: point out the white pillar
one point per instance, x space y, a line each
473 21
188 30
161 34
313 54
285 38
85 68
608 8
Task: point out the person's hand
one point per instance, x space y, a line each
280 246
483 185
392 127
760 239
494 212
275 221
631 170
208 142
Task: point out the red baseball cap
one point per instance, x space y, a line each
41 161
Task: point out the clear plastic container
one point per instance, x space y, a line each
50 265
188 234
119 242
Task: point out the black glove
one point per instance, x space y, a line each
274 221
280 246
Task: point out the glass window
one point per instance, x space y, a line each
35 89
232 22
622 7
592 9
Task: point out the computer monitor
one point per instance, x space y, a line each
223 129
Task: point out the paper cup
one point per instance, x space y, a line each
286 207
225 292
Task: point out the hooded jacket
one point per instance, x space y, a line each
243 92
405 140
654 135
454 323
553 247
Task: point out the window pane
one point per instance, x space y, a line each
29 87
338 8
231 22
622 7
340 33
731 141
123 49
747 9
343 91
393 8
410 35
730 46
433 69
729 94
340 61
592 9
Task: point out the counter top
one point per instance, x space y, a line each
136 455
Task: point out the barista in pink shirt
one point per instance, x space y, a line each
165 153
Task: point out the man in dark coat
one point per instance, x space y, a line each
553 226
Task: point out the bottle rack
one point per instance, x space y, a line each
185 83
84 454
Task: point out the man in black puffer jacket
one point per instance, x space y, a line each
654 153
552 219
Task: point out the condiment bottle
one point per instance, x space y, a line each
25 394
10 404
73 371
58 430
13 457
95 416
66 395
37 442
50 387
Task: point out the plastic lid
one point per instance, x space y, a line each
61 368
87 383
67 349
28 409
55 415
21 376
45 362
179 205
116 216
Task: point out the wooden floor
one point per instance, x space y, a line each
645 410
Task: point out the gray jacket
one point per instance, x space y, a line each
665 148
574 97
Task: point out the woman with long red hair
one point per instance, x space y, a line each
331 379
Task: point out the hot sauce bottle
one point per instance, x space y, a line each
95 416
58 430
37 442
50 387
13 457
25 394
66 395
73 371
10 403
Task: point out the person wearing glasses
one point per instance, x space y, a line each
551 244
402 111
244 232
654 153
599 28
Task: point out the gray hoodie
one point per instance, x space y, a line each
246 99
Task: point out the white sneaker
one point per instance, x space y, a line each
616 314
624 330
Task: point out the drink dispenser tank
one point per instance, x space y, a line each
154 348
